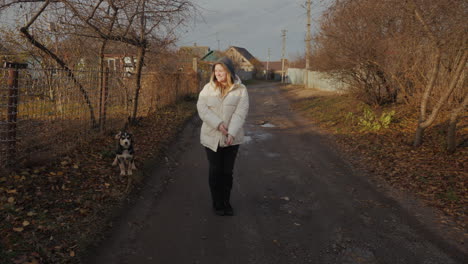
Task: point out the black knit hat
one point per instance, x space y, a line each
228 63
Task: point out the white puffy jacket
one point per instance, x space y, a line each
230 110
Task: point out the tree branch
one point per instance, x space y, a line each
31 21
453 83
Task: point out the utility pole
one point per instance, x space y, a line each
217 39
268 65
308 36
283 34
308 47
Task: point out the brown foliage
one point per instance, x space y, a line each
398 51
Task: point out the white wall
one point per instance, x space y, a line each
317 80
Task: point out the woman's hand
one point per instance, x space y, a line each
229 140
223 129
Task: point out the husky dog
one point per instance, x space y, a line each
124 155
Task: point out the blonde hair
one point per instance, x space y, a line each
218 85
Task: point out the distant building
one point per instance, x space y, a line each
213 56
120 62
7 55
275 69
245 62
241 57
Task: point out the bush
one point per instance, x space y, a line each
370 122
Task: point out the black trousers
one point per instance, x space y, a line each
221 165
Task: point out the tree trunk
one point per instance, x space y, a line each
101 77
423 107
452 127
423 121
140 61
432 78
418 136
453 83
139 69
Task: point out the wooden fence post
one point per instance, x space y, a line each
12 109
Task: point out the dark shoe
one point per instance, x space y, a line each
218 209
228 209
219 212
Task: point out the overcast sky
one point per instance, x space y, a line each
252 24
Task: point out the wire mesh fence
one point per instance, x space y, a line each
48 112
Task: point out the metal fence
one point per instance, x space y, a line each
48 112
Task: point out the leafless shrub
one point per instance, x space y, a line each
408 51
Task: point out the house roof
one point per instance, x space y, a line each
244 52
212 56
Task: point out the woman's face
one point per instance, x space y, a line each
220 73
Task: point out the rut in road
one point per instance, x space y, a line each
295 200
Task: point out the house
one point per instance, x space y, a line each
120 62
7 55
274 69
241 57
245 62
213 56
206 62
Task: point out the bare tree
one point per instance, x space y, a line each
25 31
352 44
458 64
405 51
138 23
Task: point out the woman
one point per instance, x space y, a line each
222 105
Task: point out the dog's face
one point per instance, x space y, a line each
125 139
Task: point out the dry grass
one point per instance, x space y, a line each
54 212
438 178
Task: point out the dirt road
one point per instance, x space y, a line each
295 200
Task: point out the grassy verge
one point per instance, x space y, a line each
382 137
51 214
